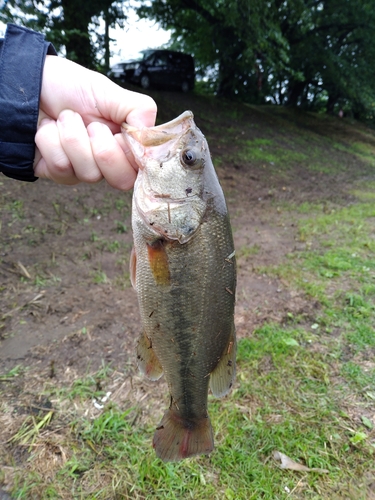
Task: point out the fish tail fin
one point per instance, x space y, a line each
176 438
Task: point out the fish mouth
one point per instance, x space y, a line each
160 134
156 141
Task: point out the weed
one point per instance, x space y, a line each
247 251
14 372
99 276
112 246
121 227
43 281
94 236
31 428
16 209
121 204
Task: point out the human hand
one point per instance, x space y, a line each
79 132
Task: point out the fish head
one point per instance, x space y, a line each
176 181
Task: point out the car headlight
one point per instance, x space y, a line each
132 66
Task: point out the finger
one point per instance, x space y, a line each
37 157
76 144
110 157
143 112
51 162
66 85
118 105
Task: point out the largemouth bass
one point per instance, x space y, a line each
183 270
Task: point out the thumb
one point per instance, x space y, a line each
120 105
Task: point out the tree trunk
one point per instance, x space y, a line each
332 98
76 21
295 92
106 42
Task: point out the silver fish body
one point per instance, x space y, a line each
183 269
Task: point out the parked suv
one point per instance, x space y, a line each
161 68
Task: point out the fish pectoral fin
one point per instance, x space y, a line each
222 377
133 267
147 360
177 438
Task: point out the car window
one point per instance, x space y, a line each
161 60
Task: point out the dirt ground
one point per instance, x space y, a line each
65 295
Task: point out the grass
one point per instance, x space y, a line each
265 151
284 400
305 385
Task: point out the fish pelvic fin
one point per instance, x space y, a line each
222 377
177 438
147 360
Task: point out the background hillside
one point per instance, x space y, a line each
300 189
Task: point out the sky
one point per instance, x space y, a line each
138 34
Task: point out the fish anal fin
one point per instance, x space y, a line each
222 377
177 438
147 360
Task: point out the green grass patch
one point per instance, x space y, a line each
267 151
283 400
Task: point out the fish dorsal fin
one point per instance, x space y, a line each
147 361
222 377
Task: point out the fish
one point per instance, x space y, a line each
183 269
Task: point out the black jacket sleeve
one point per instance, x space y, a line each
22 55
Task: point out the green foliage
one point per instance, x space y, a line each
229 37
317 55
330 49
70 25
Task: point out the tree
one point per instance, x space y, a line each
308 53
235 38
331 50
70 24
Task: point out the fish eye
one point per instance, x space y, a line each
190 158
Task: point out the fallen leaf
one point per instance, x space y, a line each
367 422
358 437
23 270
288 463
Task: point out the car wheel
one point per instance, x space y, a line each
145 81
185 87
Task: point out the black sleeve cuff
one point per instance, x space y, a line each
22 55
